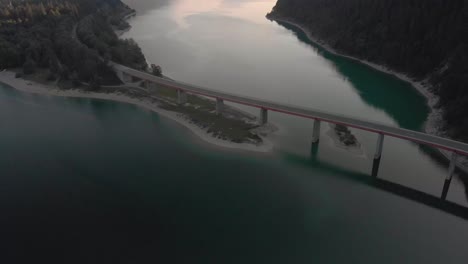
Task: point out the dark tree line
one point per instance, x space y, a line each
424 38
41 34
95 31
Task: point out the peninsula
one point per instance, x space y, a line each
68 48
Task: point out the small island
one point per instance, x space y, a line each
343 138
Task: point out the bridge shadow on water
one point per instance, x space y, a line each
381 184
390 96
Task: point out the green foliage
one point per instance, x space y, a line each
97 33
156 70
9 56
41 34
30 11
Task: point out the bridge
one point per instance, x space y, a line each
381 130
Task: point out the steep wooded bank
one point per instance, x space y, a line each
422 38
48 35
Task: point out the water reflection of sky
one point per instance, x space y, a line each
230 45
253 11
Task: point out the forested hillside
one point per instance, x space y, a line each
423 38
49 34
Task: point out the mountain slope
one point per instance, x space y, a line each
422 38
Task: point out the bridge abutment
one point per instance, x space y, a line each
377 155
451 171
316 131
263 116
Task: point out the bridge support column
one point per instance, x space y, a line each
181 97
314 148
219 106
316 132
146 85
448 180
263 116
377 155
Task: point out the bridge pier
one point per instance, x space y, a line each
146 85
314 151
219 106
316 132
263 116
377 155
181 97
448 180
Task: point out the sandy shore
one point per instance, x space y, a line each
434 119
8 78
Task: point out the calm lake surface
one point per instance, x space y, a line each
91 181
231 46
